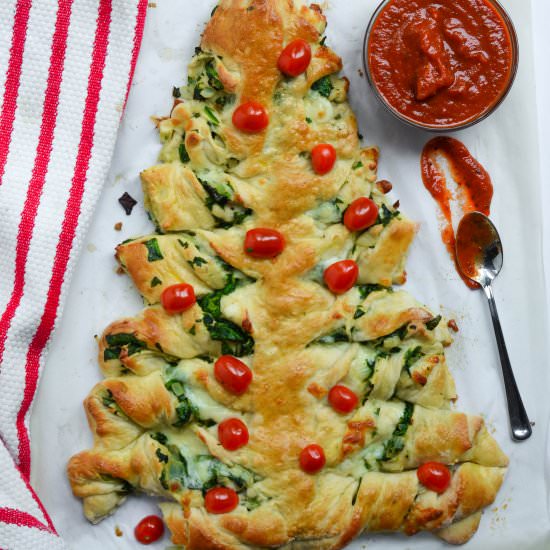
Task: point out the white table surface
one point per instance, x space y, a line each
542 50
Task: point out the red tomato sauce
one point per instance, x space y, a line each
475 189
471 251
440 63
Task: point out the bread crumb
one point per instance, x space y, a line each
452 325
120 270
384 186
118 531
118 226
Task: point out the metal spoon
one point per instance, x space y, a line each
479 257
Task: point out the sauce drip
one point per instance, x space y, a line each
475 189
441 63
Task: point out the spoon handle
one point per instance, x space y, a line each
519 421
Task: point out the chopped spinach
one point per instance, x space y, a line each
197 261
401 333
183 154
219 194
202 472
197 93
385 215
339 335
433 323
323 86
115 343
234 339
222 194
153 250
357 165
211 303
161 456
395 444
211 116
109 402
213 77
365 290
359 312
225 99
109 354
160 437
176 92
185 410
356 492
412 355
252 503
155 281
107 399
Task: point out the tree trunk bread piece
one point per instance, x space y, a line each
155 415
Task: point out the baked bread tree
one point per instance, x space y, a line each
277 390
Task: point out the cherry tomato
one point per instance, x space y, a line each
295 58
263 243
312 459
342 399
178 298
233 434
250 117
434 476
360 214
232 374
149 529
341 276
323 157
221 500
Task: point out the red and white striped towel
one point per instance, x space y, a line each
65 71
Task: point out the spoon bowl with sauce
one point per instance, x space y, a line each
480 258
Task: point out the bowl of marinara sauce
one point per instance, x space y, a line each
441 65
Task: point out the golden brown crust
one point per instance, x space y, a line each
155 415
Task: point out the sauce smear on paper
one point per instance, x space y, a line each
475 189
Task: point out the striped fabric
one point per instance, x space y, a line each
65 72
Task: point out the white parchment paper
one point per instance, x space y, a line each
506 144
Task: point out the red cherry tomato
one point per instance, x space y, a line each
295 58
341 276
360 214
250 117
342 399
434 476
178 298
263 243
149 529
323 157
221 500
232 374
312 459
233 434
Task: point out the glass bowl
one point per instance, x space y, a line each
450 127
